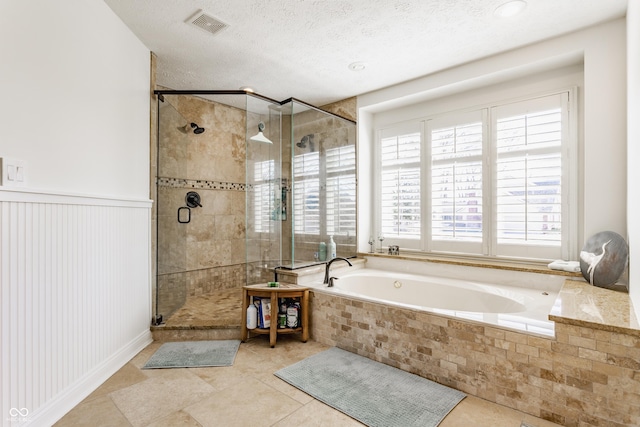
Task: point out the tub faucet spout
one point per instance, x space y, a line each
328 265
275 272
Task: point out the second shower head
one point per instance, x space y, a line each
196 129
307 139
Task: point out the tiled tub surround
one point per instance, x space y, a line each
587 375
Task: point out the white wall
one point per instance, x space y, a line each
603 50
633 149
75 97
365 184
75 297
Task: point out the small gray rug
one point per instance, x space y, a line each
371 392
193 354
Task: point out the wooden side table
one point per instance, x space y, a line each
282 291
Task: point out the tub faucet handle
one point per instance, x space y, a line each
328 266
331 279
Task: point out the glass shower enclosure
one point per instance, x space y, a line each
306 193
245 184
321 171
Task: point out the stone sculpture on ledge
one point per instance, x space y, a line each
603 259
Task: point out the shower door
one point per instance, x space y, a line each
202 148
267 190
171 248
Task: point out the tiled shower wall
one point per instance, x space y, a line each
583 377
347 108
208 253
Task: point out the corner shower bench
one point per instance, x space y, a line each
282 291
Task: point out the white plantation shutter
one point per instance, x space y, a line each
306 191
264 174
457 181
529 168
499 181
400 185
341 190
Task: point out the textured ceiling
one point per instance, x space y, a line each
302 48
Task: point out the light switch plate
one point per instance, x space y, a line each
13 172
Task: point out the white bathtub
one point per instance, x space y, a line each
512 307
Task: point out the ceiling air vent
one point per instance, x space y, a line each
207 23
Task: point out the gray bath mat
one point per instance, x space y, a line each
193 354
373 393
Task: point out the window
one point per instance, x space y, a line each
400 209
306 191
529 195
456 193
336 202
494 181
341 191
263 173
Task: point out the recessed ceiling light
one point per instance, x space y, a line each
247 89
510 8
357 66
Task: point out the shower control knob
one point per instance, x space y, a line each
193 199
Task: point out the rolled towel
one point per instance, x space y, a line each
572 266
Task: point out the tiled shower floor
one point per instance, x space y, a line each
216 310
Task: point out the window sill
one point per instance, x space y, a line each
532 267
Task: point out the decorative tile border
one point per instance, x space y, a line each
211 185
200 184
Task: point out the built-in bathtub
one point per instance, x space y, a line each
574 377
507 306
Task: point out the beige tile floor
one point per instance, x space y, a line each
245 394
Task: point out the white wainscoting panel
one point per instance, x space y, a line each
75 299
